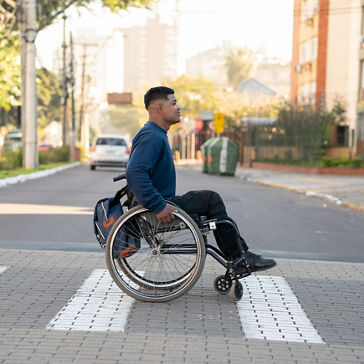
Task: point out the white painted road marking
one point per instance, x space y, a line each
2 269
269 310
98 305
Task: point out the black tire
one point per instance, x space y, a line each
222 285
168 259
236 291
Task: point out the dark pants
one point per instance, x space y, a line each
210 204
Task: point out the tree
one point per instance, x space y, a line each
9 52
50 10
9 70
307 129
239 66
194 94
49 99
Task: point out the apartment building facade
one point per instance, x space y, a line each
327 62
150 54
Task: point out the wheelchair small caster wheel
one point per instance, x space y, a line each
222 284
236 291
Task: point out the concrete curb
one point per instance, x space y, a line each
26 177
321 196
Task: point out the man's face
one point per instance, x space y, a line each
170 110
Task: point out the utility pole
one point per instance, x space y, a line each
72 81
84 127
21 23
83 97
30 149
64 78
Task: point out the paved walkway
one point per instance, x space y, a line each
60 307
347 191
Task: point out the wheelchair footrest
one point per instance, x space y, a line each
207 224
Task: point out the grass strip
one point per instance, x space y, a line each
16 172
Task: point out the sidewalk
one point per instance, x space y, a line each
347 191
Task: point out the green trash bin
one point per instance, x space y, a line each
204 148
213 156
223 155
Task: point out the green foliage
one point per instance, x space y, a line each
17 171
50 10
239 66
49 97
194 94
11 159
9 70
10 75
342 162
54 155
305 128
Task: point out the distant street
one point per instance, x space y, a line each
277 222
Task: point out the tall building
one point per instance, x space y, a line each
325 59
150 54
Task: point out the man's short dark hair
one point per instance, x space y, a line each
155 93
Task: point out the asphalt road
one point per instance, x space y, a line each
55 213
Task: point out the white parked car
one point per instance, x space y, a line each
109 151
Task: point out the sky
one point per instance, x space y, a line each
203 24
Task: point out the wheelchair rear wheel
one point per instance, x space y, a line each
152 261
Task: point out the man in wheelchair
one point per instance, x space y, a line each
152 178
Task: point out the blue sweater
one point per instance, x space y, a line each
150 172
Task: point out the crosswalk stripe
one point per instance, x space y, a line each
98 305
269 310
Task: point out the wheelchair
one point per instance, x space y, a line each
156 262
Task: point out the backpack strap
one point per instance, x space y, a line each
130 201
118 196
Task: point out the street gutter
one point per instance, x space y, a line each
40 174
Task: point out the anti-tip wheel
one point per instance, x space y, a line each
236 291
222 284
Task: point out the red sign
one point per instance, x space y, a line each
198 124
115 98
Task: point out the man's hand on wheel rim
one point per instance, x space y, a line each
166 215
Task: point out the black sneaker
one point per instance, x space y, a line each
258 263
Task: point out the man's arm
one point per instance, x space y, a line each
140 166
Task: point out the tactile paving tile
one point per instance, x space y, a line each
269 310
98 305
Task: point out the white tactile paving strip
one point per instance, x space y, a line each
269 310
2 269
98 305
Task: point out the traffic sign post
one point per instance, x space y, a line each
219 123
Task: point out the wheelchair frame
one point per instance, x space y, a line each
199 228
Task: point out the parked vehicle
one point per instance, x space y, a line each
13 140
45 147
109 151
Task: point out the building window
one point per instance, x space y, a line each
342 136
308 50
308 9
